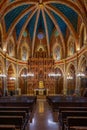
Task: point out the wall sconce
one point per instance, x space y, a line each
54 75
24 75
4 49
69 76
28 75
12 78
80 74
78 49
2 75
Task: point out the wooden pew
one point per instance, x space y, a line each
7 108
67 101
65 114
72 109
75 122
26 116
7 127
12 120
16 108
18 103
79 128
19 98
13 113
56 105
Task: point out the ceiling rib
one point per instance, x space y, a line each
70 5
34 34
80 5
11 6
64 18
47 37
24 27
17 20
57 27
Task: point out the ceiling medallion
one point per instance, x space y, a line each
40 5
40 35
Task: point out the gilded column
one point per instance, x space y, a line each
65 80
5 77
17 84
77 78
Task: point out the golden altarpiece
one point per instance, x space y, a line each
41 65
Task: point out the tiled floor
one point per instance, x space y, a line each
43 119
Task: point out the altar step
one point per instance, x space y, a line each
41 96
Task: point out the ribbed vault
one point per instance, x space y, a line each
45 15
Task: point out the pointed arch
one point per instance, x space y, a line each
82 35
13 67
22 68
71 42
68 66
1 36
70 4
24 27
57 27
8 7
11 71
83 57
65 19
71 78
34 34
47 37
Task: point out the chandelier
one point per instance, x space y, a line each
2 75
69 76
80 74
28 75
54 75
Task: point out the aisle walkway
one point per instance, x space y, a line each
43 119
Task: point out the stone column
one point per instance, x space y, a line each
85 43
5 78
17 84
65 80
77 78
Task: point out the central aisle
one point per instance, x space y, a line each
43 119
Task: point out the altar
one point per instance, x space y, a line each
41 91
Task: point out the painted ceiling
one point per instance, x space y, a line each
40 15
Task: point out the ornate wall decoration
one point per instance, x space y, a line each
24 53
57 52
72 48
11 47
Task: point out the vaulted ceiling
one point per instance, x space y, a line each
45 15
